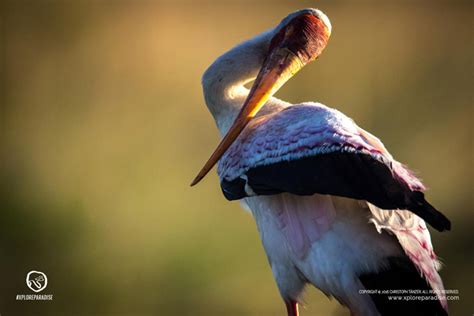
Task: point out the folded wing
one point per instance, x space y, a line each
310 148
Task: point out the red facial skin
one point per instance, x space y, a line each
305 36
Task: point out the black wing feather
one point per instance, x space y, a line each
348 174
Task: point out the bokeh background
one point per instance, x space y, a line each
103 126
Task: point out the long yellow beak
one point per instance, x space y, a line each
278 67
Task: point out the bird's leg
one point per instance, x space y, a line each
291 307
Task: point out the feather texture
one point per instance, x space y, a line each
310 148
415 240
299 131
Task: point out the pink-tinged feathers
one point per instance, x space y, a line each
415 240
303 219
334 245
299 131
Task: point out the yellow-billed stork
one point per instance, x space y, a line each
333 207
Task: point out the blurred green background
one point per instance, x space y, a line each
103 126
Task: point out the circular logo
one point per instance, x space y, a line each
36 281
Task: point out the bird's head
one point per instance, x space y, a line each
297 40
304 34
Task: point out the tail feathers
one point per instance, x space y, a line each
400 290
425 210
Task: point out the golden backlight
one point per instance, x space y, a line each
103 124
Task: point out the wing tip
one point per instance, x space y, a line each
431 215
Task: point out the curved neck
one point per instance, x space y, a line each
224 81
